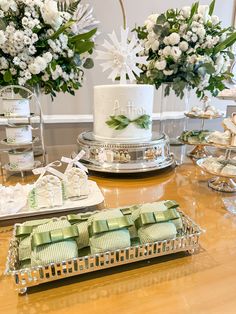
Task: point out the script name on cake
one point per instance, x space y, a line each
129 109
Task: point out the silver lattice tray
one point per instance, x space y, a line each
23 278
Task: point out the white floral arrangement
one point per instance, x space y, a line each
45 43
187 48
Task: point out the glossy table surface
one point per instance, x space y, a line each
202 283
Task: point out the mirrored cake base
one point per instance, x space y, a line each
112 157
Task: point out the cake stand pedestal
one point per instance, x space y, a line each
112 157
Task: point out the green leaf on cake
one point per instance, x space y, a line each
143 122
120 122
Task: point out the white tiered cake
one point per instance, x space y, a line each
132 101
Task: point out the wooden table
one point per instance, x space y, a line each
202 283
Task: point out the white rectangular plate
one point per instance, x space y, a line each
95 197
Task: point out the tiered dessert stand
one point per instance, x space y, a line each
221 182
25 147
200 151
113 157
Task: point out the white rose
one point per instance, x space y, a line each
166 51
215 19
203 11
50 14
160 65
186 11
47 56
183 45
168 72
174 39
34 68
176 53
2 37
41 62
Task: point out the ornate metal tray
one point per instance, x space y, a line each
125 157
23 278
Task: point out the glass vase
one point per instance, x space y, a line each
172 117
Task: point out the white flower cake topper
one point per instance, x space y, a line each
122 57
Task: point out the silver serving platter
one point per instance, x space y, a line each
113 157
188 241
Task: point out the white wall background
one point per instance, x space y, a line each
109 14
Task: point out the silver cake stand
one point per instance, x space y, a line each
111 157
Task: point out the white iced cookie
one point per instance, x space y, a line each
229 170
47 192
222 138
75 183
212 164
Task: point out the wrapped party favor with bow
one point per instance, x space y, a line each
75 162
47 190
49 168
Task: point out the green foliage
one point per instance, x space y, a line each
199 67
120 122
212 7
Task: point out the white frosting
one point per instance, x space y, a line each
16 107
19 135
21 160
217 137
75 183
132 101
48 192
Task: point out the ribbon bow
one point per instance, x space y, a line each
48 168
99 226
26 230
54 236
156 217
76 218
75 161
